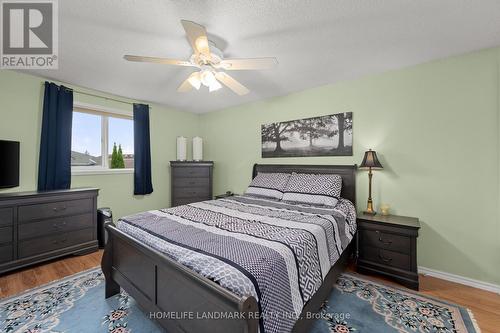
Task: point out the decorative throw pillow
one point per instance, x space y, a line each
269 185
313 189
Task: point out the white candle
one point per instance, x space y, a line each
197 148
181 148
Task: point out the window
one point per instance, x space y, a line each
102 140
121 135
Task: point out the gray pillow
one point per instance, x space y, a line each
269 185
313 189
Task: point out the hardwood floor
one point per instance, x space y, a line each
34 276
484 305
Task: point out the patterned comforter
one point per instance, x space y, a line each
277 252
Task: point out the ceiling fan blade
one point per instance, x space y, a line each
185 86
197 36
246 64
156 60
231 83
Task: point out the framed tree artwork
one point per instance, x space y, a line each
329 135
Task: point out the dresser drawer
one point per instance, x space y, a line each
386 257
6 253
49 243
6 235
192 192
190 172
192 182
54 209
56 225
387 241
185 201
6 216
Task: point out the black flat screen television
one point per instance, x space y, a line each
9 163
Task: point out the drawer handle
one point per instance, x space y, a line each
381 257
55 209
62 241
381 240
59 226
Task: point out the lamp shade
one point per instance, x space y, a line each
370 160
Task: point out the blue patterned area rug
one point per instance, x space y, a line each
77 304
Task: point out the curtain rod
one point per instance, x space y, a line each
106 98
94 95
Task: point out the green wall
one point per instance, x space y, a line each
435 127
20 119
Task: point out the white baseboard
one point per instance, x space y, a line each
460 279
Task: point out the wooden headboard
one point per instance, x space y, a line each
347 172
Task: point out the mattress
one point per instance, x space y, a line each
276 251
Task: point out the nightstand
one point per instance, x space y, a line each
225 195
387 245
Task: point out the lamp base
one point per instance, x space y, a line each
369 208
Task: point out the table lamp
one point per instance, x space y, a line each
370 161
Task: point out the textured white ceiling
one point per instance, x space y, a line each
316 42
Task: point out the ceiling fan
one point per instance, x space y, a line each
209 60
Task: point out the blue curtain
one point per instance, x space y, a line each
54 165
142 151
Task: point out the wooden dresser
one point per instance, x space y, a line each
190 182
39 226
387 245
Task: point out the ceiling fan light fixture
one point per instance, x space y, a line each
207 78
195 81
214 86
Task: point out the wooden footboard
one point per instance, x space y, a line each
180 299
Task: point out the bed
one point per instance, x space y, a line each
238 264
